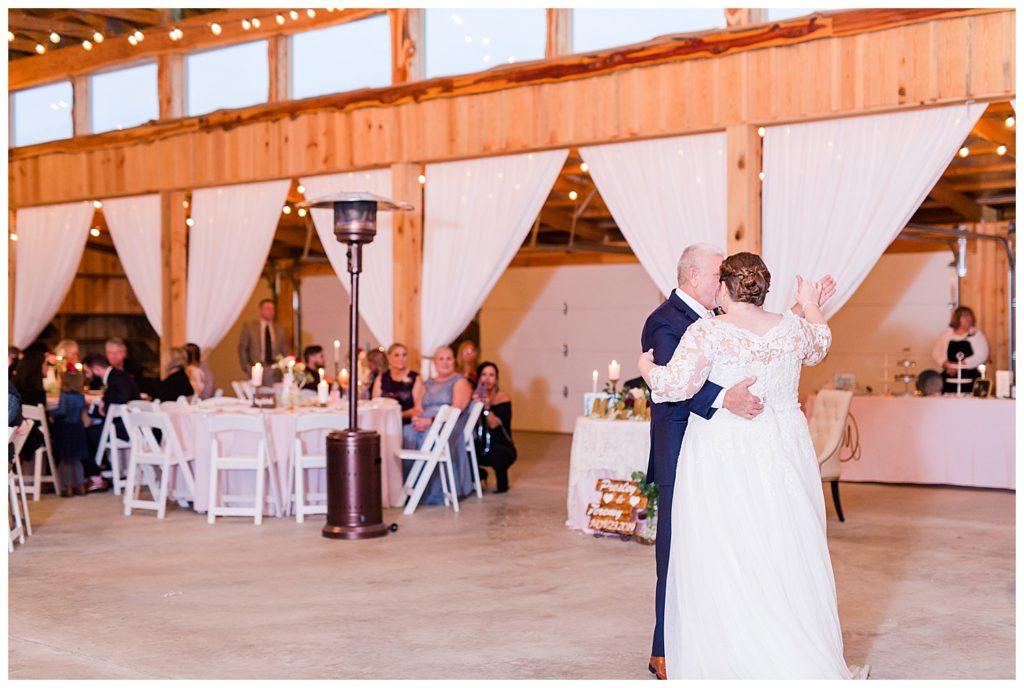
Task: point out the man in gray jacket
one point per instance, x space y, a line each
262 341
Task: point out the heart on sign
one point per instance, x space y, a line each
607 497
634 500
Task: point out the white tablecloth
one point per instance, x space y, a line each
193 433
933 440
602 449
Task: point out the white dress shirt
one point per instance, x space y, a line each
701 312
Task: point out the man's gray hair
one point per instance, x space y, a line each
691 259
117 341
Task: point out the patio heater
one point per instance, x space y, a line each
353 455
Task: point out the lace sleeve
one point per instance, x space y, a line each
816 340
685 374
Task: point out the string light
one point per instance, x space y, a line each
97 205
1001 150
98 37
54 37
294 15
14 237
584 167
287 210
176 34
760 175
10 36
964 152
246 24
133 40
1010 121
573 195
87 45
301 189
95 231
310 13
190 222
760 132
255 23
280 19
302 212
138 35
215 28
40 48
423 179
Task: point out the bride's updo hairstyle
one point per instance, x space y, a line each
746 277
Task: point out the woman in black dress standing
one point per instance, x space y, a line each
399 383
493 434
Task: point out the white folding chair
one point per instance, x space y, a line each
433 452
467 437
110 442
18 441
146 451
152 406
38 414
243 389
259 463
17 532
828 433
302 461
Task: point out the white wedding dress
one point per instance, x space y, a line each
750 591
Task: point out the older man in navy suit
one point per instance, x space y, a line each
697 274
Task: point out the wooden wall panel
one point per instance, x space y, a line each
943 60
985 290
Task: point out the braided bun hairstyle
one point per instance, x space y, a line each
746 277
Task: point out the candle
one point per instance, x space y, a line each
343 378
291 366
614 370
594 389
78 367
322 392
337 356
323 378
981 370
257 375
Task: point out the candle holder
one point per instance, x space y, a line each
354 510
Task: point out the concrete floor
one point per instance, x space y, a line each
925 579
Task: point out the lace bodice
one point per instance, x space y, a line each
726 354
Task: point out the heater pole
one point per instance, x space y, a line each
354 253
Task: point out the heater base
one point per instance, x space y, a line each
354 486
355 532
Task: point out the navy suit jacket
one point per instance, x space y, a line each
662 332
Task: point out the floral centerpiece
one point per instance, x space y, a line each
626 404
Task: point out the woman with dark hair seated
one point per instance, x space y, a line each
493 434
177 383
28 379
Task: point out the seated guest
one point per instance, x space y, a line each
117 355
313 357
467 360
399 383
377 363
447 387
961 337
28 379
177 383
494 445
13 356
67 351
118 388
197 372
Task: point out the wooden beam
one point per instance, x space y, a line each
59 64
743 189
559 37
12 250
407 249
170 81
19 20
998 133
945 194
984 185
408 36
279 62
174 265
528 259
23 45
141 18
980 169
81 106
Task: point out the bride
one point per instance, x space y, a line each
750 591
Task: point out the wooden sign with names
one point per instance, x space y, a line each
617 507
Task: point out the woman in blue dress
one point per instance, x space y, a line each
446 387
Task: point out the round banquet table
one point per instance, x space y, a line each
191 424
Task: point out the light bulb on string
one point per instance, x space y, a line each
97 37
184 204
246 24
40 48
422 179
215 28
294 15
584 167
310 13
280 19
760 132
964 152
1001 150
1010 121
190 222
138 35
54 37
95 231
301 189
14 237
10 36
87 45
255 23
133 40
97 205
302 212
573 195
287 210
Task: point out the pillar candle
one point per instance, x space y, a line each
343 378
337 356
322 392
614 370
594 389
257 375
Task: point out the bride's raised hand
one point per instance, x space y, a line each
807 292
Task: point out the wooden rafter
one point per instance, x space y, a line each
18 21
945 194
998 133
140 17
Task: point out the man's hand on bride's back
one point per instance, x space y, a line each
740 402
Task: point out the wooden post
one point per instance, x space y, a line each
81 107
407 249
173 268
408 29
279 59
170 78
559 40
743 189
12 248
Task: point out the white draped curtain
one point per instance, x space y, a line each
227 249
50 244
477 213
376 281
838 192
134 225
664 194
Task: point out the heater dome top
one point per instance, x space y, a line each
356 197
